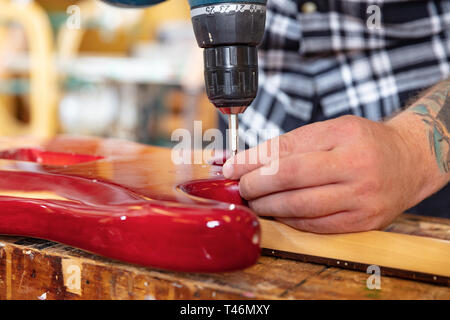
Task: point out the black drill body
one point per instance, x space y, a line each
230 33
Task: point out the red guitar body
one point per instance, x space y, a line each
128 202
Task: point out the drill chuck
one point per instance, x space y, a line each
231 76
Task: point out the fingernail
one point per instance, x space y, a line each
227 169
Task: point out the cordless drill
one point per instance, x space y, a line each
228 31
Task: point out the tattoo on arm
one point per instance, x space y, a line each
434 109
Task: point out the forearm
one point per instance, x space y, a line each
425 129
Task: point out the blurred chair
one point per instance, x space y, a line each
43 92
138 24
7 121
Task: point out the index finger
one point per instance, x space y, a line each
309 138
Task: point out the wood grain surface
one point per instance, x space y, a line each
403 255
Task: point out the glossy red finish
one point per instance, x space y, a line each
219 190
219 162
46 157
133 207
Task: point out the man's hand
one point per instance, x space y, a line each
343 175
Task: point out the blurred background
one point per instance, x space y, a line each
86 68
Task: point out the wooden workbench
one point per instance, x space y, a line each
38 269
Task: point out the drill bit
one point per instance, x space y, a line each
233 126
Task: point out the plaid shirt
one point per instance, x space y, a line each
327 63
324 64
